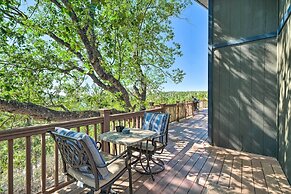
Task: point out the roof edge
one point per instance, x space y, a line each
202 4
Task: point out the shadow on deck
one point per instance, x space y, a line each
193 166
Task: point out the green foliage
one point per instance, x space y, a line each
173 97
46 53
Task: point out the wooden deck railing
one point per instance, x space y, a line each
43 175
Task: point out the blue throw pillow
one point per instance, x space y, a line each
97 157
156 122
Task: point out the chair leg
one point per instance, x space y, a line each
149 167
108 190
111 191
158 162
91 191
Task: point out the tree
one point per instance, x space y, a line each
49 49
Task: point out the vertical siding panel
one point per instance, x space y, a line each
235 19
222 26
271 16
257 96
234 104
257 20
282 96
271 83
245 79
216 97
271 98
245 96
217 26
224 97
234 82
245 12
221 14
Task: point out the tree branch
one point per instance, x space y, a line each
57 4
17 12
60 106
67 45
44 113
101 84
6 120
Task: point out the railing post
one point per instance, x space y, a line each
151 105
185 109
10 166
105 126
43 163
28 164
189 110
177 111
163 107
193 112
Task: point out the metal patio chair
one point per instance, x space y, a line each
147 162
83 162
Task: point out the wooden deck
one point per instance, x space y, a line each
193 166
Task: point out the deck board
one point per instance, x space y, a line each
272 184
193 166
259 178
236 175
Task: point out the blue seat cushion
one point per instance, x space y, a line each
157 122
90 143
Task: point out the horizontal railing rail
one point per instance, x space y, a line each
38 129
42 165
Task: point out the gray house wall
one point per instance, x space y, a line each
243 79
284 63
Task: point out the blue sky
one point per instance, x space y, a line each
192 34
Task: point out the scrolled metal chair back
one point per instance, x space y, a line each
75 154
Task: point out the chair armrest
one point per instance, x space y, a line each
107 163
153 141
116 158
156 137
99 145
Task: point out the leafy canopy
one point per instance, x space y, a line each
60 52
